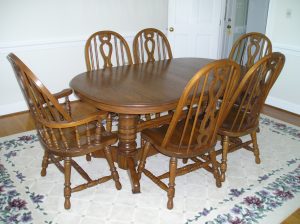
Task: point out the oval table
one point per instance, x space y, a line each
133 90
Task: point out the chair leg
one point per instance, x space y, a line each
171 190
67 190
45 164
216 171
142 162
113 170
109 122
88 157
225 146
255 147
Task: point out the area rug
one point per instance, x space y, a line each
265 193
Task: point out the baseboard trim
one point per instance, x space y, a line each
282 110
13 108
284 105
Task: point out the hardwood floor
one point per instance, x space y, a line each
293 218
20 122
15 123
282 115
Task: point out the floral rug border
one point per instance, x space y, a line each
14 209
255 206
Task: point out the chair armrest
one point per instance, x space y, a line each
99 116
63 93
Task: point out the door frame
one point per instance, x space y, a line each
223 22
222 29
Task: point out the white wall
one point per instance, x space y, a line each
283 30
49 36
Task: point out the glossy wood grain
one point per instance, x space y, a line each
192 130
151 45
250 48
134 90
243 118
106 49
138 88
61 135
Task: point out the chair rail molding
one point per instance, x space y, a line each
42 45
9 46
287 49
79 41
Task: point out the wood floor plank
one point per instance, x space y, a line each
293 218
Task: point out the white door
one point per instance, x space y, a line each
235 23
194 27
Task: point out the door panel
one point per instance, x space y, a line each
202 48
194 21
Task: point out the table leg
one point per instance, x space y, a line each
127 148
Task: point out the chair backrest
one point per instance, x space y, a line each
55 126
151 45
42 104
207 94
251 98
250 48
106 49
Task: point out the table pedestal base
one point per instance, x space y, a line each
127 148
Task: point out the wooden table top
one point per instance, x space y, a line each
138 88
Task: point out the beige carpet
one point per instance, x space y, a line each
265 193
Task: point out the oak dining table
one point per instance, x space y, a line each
134 90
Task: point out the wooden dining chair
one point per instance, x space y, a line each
243 118
151 45
193 130
61 135
105 49
250 48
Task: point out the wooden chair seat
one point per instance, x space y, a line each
156 136
242 123
107 138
